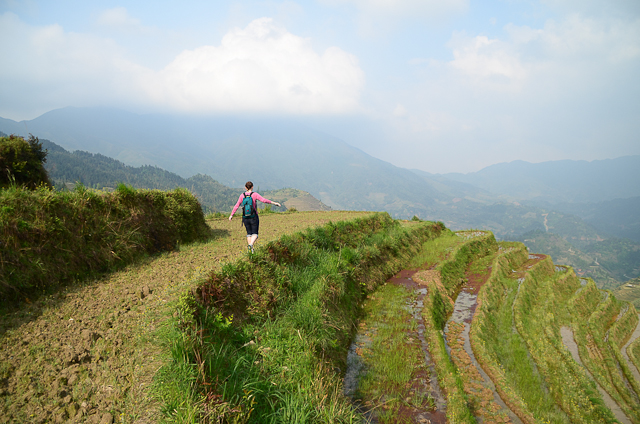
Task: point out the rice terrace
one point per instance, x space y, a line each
338 317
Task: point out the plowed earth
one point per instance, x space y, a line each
89 352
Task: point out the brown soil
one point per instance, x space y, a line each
89 353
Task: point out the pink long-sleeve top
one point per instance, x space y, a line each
254 196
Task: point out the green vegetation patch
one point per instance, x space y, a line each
501 350
21 162
266 339
48 236
392 357
601 355
540 310
630 292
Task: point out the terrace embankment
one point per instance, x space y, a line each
455 266
485 400
634 336
270 337
393 320
571 345
504 314
599 340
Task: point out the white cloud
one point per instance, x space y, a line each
119 20
566 90
400 111
576 51
262 68
117 17
578 37
485 58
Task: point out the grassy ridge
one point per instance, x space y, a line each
633 350
265 340
500 350
540 311
50 236
392 382
603 358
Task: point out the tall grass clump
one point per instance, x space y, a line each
267 337
48 237
633 350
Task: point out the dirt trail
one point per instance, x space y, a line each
571 345
633 337
89 353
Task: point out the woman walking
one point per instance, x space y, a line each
250 213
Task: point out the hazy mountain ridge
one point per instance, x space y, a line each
271 152
618 217
99 171
559 181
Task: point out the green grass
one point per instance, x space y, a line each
391 360
506 352
540 311
452 257
633 350
607 367
50 237
437 250
267 340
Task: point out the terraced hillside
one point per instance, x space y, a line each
507 337
465 329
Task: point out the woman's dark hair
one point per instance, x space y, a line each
248 185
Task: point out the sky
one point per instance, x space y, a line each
437 85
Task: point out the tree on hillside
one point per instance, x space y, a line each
22 162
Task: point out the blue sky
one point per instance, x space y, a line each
442 86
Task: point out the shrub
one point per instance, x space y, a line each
22 162
47 237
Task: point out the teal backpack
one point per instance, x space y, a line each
248 211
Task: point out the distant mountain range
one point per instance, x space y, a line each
559 181
276 153
583 203
270 152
